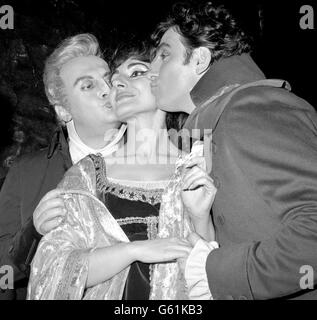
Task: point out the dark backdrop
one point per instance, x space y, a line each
282 50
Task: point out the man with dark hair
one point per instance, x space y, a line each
264 153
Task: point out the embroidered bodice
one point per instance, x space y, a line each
135 205
100 213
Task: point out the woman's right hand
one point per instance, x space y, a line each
50 212
160 250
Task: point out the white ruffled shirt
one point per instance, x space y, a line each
79 150
195 270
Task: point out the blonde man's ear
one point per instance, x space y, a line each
62 114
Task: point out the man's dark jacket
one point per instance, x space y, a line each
264 163
27 181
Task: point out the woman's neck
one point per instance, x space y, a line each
147 137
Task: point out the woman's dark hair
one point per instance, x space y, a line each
137 49
141 50
205 25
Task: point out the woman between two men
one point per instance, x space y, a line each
116 227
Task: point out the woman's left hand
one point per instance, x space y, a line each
199 191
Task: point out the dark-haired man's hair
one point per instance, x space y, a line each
205 25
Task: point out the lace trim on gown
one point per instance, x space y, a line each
151 224
145 191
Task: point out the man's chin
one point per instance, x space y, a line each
167 108
163 105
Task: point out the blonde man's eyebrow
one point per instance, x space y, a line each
106 74
80 79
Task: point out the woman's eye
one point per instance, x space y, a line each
138 73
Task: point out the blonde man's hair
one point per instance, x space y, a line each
81 45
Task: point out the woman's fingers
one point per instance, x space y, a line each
202 181
176 253
190 173
195 175
162 250
174 242
182 261
179 248
199 161
174 248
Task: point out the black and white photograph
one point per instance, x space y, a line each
158 150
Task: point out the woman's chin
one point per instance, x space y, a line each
128 112
123 113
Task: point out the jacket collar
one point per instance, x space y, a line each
59 142
239 69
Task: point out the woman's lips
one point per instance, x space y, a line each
108 105
123 95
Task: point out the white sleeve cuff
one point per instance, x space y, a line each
195 270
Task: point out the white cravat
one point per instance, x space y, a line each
79 150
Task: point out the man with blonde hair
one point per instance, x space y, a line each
75 80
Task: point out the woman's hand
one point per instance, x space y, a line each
160 250
198 195
50 212
199 191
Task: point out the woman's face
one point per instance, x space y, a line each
131 90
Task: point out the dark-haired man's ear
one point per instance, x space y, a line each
203 58
62 113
